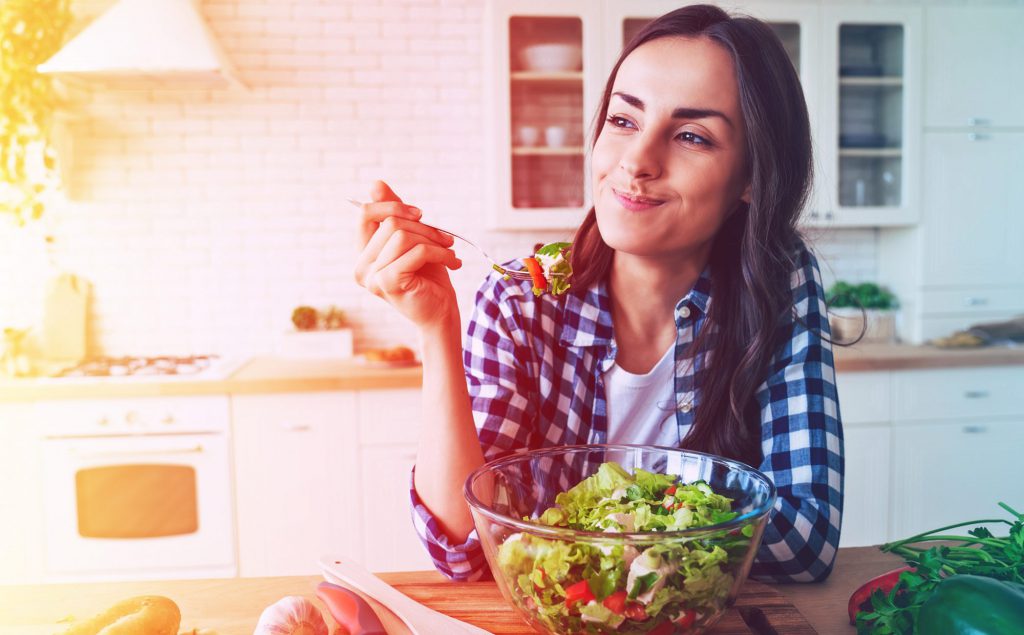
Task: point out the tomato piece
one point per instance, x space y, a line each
616 602
636 611
686 619
579 592
536 272
670 490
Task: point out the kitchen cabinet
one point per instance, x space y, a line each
956 440
296 479
954 471
865 408
388 434
973 238
543 84
965 263
969 73
325 472
20 546
860 68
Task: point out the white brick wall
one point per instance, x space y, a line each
202 217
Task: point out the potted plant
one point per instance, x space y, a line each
317 333
861 308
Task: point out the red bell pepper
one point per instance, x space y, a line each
861 598
537 273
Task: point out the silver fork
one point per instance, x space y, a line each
512 273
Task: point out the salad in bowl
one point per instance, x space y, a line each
644 539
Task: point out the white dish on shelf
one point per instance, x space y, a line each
551 57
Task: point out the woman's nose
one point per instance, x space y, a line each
640 159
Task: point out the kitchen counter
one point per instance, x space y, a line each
868 357
231 606
276 374
258 375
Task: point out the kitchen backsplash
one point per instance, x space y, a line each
203 217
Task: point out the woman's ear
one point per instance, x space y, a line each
745 197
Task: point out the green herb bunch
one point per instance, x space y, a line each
31 31
866 295
979 553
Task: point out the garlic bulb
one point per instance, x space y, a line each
291 615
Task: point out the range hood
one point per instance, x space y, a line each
164 43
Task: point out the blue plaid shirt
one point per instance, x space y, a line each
534 369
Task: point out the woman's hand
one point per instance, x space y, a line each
404 261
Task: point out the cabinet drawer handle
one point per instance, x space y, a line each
975 429
976 301
974 136
297 427
978 121
976 394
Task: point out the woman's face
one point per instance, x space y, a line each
669 163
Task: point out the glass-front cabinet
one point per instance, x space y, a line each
871 115
545 84
859 65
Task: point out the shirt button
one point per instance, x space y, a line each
686 407
684 312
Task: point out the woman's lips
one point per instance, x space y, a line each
635 204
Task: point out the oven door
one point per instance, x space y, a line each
138 506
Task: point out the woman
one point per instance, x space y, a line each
691 290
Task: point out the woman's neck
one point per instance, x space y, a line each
644 293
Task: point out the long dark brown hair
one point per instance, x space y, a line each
752 253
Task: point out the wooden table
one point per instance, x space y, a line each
232 606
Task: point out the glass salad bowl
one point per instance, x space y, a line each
619 538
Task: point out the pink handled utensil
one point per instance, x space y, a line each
350 610
420 619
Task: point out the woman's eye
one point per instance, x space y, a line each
695 139
619 122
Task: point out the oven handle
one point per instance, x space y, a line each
197 449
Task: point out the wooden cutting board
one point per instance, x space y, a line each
233 605
480 603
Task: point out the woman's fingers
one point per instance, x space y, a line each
395 277
376 213
387 229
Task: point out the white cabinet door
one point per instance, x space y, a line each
973 230
972 66
866 485
390 542
19 497
297 480
388 433
951 472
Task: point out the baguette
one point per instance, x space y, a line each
142 615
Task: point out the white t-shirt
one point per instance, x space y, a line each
641 408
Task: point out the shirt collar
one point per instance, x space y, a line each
587 316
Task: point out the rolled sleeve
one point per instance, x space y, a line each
802 444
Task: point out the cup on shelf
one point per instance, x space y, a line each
528 136
554 136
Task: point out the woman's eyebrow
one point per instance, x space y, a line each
678 113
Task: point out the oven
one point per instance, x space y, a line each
137 488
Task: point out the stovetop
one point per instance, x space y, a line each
162 365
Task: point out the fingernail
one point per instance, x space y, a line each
415 211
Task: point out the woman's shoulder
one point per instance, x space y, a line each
805 274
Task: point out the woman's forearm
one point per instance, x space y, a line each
449 448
